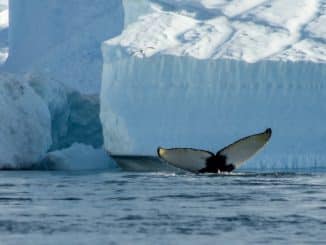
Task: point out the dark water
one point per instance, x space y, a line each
158 208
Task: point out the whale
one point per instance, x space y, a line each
227 159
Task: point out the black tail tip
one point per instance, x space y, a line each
268 131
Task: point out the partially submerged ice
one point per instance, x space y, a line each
202 74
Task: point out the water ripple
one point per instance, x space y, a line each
147 208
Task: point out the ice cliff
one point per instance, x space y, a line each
59 44
25 124
55 47
192 73
3 30
63 39
205 73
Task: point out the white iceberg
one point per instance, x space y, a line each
58 44
204 73
63 39
25 124
4 22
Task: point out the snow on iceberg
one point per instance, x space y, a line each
210 30
201 74
25 128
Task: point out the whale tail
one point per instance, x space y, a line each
225 160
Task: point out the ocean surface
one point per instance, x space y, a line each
162 208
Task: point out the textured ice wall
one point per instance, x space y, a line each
74 116
63 39
203 73
3 30
25 125
176 101
58 44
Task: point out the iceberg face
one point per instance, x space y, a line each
201 80
58 46
3 30
45 38
3 4
25 128
183 102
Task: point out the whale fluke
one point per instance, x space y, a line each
225 160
